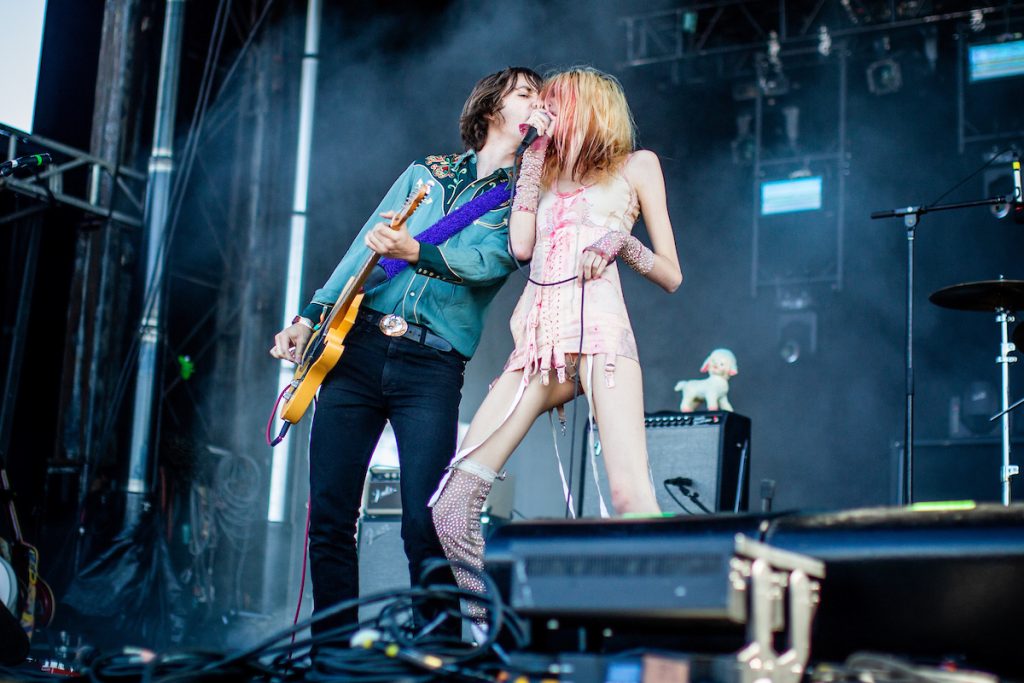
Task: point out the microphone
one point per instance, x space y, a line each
679 481
28 163
528 138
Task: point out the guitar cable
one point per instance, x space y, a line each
273 441
273 412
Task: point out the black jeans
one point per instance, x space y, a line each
378 378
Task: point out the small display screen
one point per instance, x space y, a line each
789 196
995 60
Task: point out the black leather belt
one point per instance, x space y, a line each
417 333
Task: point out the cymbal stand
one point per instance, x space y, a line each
1006 347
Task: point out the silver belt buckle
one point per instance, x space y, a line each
393 325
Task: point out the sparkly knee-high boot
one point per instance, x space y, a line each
457 520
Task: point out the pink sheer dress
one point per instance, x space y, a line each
546 321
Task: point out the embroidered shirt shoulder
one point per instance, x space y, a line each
444 167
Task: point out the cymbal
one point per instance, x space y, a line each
984 295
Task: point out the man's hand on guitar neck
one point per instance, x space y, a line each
290 342
393 242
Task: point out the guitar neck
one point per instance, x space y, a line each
356 284
364 272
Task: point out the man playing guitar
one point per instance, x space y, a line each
405 355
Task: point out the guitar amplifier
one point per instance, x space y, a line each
711 449
382 562
382 492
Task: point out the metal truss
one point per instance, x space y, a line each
766 166
49 185
717 37
756 43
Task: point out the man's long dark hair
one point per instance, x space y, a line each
485 100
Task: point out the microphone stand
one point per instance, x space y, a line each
911 217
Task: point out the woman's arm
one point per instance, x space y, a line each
522 224
643 171
522 233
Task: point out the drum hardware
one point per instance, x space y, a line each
1003 297
911 216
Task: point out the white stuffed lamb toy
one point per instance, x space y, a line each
712 390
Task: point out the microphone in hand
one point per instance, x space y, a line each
528 138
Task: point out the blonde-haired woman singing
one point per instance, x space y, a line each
579 192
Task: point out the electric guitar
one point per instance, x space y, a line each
34 604
327 343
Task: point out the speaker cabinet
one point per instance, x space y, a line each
957 469
382 562
930 584
712 449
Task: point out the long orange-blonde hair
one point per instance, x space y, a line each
594 130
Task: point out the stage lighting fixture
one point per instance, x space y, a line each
998 183
689 22
824 41
774 50
884 76
798 335
989 61
977 20
770 78
791 195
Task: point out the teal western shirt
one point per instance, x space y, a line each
451 286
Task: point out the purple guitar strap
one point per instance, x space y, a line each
452 224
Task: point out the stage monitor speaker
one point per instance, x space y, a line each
710 448
382 562
645 583
928 583
661 568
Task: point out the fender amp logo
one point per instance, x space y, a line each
382 494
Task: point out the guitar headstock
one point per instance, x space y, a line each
412 202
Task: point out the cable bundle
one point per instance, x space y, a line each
398 645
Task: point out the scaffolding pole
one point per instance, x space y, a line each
158 195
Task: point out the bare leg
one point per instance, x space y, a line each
620 413
457 510
501 438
